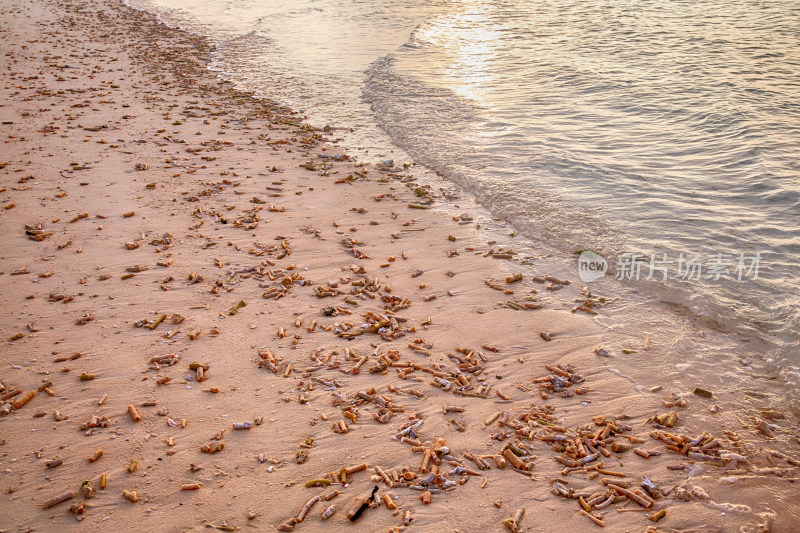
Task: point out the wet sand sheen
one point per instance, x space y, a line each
208 308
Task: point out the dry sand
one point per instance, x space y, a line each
138 187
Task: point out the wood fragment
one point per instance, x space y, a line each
55 500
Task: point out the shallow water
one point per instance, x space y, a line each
650 127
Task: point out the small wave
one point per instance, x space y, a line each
612 155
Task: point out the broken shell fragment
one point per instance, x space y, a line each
88 489
288 525
617 486
78 509
703 392
357 508
95 456
23 398
593 518
512 522
330 495
619 447
135 416
306 508
515 461
235 309
387 500
667 419
327 513
209 448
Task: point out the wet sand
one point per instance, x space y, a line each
180 259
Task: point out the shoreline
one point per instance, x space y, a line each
209 198
762 346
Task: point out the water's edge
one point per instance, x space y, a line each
670 318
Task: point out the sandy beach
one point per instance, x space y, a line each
214 318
